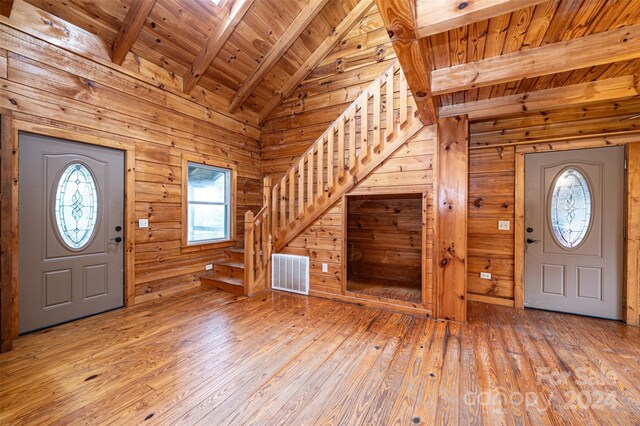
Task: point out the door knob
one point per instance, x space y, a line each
117 239
531 241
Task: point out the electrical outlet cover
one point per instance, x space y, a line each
504 225
143 223
208 267
485 275
325 267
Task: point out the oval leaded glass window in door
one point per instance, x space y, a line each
76 206
570 207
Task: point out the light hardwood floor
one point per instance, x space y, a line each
212 358
388 289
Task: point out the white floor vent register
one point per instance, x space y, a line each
290 273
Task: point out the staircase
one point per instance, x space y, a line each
227 275
372 128
246 270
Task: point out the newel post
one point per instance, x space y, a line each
249 245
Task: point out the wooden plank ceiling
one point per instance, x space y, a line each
487 49
257 55
529 28
262 51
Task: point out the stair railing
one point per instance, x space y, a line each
257 245
331 165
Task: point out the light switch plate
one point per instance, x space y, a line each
485 275
143 223
504 225
208 267
325 267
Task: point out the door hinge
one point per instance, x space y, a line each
625 164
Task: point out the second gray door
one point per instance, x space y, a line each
574 212
71 211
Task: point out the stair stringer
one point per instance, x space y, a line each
350 181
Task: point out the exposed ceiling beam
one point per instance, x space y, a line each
578 94
290 35
438 16
399 19
621 44
130 29
331 41
214 44
5 7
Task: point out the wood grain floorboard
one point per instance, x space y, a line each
387 289
207 357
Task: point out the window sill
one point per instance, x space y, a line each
207 246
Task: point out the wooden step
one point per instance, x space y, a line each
234 255
229 269
228 284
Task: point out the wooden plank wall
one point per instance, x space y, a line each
602 118
322 242
352 65
45 84
384 238
492 180
491 198
409 169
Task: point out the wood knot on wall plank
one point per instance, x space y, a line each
451 249
449 254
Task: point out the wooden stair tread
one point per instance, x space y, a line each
224 283
223 279
238 265
235 249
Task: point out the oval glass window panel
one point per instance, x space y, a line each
76 206
571 206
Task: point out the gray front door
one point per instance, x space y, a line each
71 211
574 212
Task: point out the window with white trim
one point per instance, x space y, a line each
208 204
